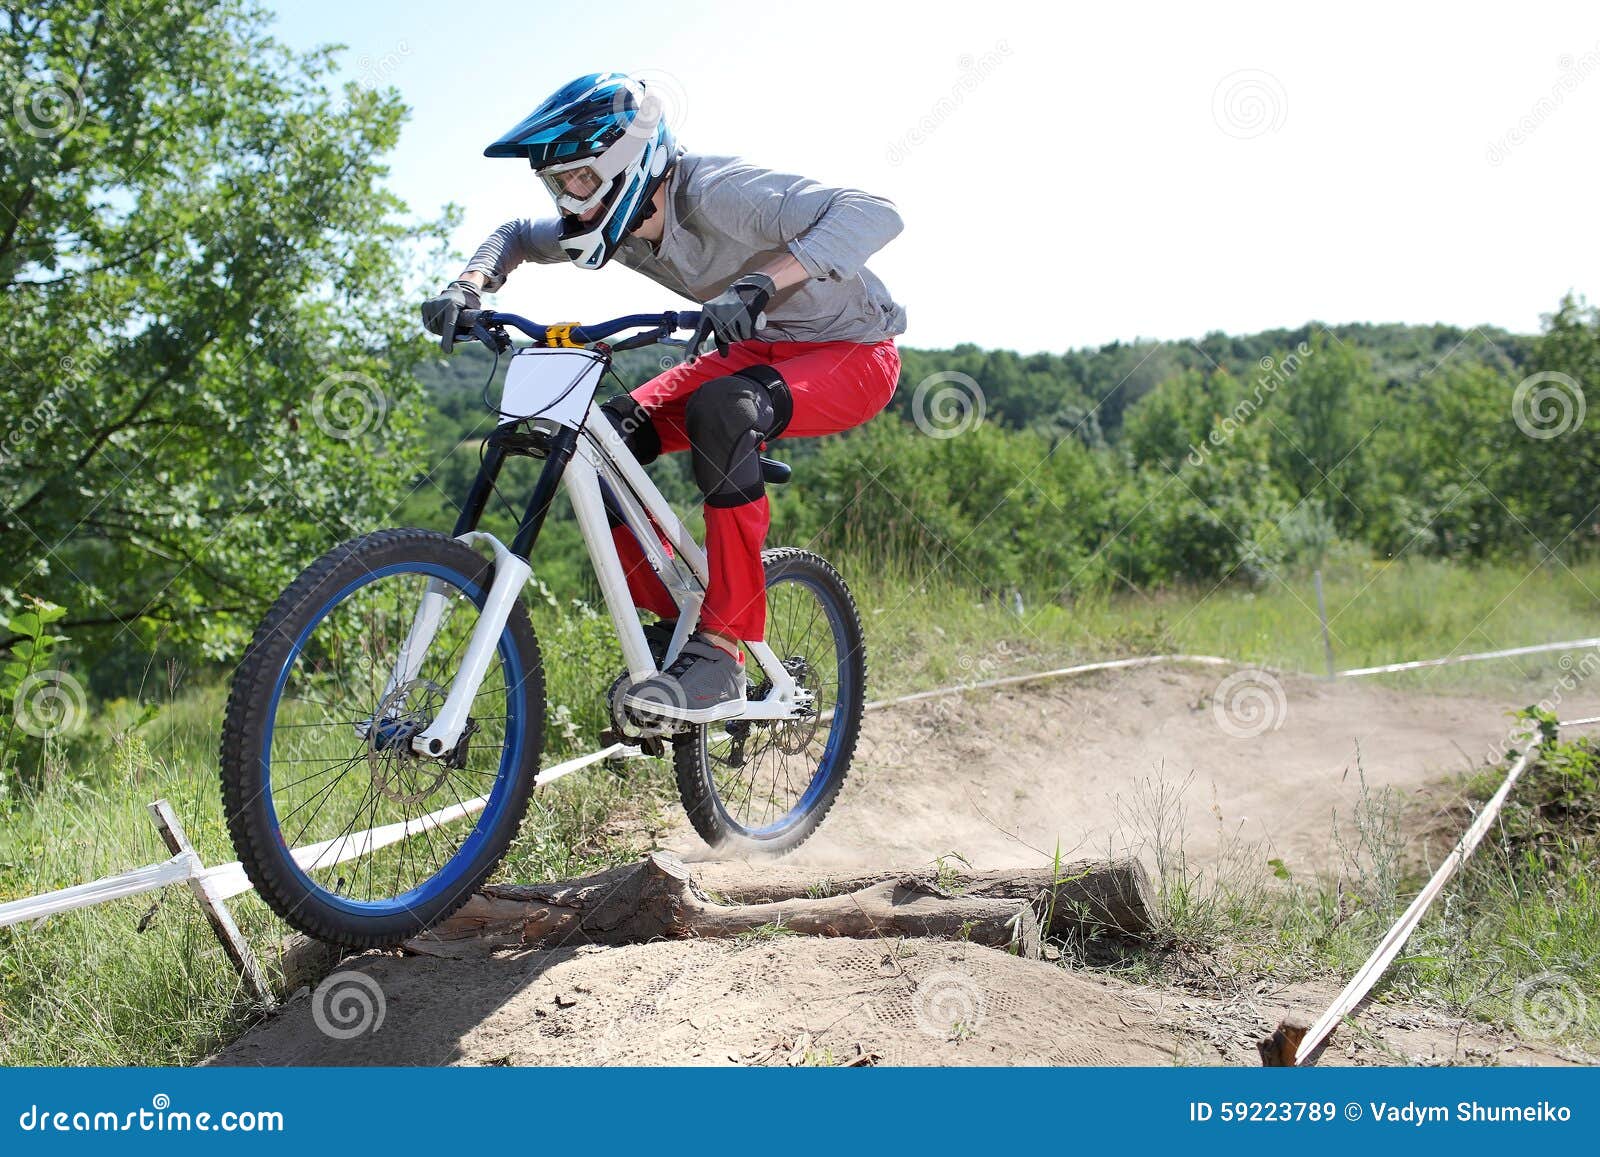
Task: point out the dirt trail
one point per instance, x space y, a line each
999 778
800 1000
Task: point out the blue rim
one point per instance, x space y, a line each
830 754
460 865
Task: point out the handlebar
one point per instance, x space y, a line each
489 327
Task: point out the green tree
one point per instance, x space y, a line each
1321 410
1549 479
209 324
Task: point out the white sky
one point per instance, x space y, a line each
1082 185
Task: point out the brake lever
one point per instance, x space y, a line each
496 339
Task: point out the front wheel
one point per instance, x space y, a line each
756 786
345 831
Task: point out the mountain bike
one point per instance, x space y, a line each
385 727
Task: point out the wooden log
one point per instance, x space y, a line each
659 898
1108 896
303 962
1282 1048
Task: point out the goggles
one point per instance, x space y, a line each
578 186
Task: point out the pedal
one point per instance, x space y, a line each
652 745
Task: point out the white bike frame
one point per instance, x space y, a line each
600 453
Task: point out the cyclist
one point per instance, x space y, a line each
804 334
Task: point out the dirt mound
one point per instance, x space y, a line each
794 1000
707 1002
1002 778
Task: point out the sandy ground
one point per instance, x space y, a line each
1001 779
800 1000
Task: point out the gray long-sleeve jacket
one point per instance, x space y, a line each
725 217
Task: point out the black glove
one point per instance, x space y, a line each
731 316
439 314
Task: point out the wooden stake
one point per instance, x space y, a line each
216 909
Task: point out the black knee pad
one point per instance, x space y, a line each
728 419
637 428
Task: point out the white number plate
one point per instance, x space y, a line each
554 384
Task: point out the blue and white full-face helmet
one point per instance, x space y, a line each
602 147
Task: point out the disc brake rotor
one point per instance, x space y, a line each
791 736
389 746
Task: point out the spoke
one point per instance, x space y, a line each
372 853
323 723
300 835
345 766
338 840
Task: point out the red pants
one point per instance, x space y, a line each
835 385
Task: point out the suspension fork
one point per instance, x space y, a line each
511 574
430 611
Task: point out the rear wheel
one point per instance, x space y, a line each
316 748
750 785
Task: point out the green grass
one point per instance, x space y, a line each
89 988
929 631
1514 939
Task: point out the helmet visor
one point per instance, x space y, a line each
576 188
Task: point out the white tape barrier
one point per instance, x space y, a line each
1394 940
1058 673
1389 947
1416 664
147 879
228 880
